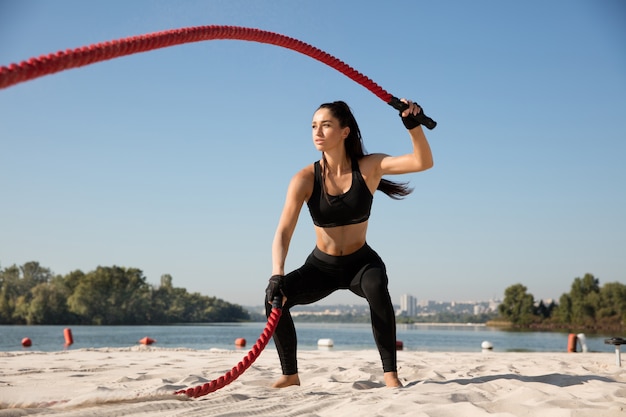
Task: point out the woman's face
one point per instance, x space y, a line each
326 131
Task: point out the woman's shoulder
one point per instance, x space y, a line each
308 170
305 175
372 157
371 162
302 182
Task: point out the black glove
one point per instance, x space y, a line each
274 289
412 121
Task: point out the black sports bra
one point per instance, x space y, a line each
351 207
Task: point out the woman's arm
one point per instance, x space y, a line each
300 187
420 159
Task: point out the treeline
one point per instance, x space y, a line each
32 294
443 317
332 318
449 317
587 306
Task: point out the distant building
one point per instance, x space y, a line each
425 303
408 305
493 305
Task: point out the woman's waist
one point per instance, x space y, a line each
338 251
342 240
365 254
324 254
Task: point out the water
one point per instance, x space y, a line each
446 338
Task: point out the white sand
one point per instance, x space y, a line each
139 381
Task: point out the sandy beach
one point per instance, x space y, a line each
140 381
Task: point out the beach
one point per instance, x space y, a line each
140 381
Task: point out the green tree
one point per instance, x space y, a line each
518 306
48 304
545 311
111 295
15 290
160 299
34 274
563 312
585 296
166 281
175 305
612 306
217 310
72 280
10 290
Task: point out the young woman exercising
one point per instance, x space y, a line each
339 191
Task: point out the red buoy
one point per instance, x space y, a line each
399 345
67 333
26 342
240 342
572 340
147 341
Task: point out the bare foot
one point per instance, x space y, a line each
286 381
391 380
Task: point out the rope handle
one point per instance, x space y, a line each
422 118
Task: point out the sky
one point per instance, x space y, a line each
177 161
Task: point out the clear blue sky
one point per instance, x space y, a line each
177 161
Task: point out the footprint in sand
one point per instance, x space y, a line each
361 385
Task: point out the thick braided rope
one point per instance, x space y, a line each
241 367
86 55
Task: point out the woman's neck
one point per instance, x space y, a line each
337 164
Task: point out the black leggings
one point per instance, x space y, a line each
362 272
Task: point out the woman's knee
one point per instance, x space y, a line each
374 281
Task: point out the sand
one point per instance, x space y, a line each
140 381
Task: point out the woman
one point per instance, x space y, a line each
339 190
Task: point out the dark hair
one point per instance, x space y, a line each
354 148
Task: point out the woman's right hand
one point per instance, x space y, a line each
275 289
413 115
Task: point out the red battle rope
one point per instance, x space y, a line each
63 60
240 368
86 55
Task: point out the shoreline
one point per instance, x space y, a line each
346 337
